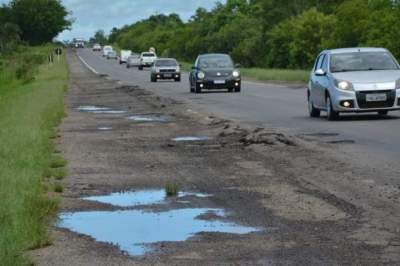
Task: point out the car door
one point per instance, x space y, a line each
324 80
315 89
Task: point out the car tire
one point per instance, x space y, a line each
140 68
153 79
383 113
238 89
197 89
178 80
332 115
230 90
314 112
128 66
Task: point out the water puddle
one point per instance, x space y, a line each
99 110
133 230
104 128
149 118
138 198
179 139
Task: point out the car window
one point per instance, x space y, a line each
218 61
166 63
321 62
324 65
362 61
318 62
148 55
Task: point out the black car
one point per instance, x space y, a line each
214 71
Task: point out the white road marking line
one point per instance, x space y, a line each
88 66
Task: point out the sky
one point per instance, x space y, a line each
92 15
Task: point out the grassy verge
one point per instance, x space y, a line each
264 74
30 109
276 74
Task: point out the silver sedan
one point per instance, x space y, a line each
354 80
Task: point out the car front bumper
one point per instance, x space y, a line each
219 84
167 75
356 101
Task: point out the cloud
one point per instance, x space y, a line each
91 15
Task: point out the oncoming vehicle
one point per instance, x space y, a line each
147 59
106 50
112 55
354 80
165 68
133 61
215 71
123 58
96 47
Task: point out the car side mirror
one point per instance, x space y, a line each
320 72
237 65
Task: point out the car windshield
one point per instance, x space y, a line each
362 61
148 55
218 61
133 57
161 63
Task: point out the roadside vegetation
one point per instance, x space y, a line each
271 34
31 105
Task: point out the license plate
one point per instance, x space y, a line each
381 97
168 75
219 81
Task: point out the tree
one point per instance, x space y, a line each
99 37
9 36
39 20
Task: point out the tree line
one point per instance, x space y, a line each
267 33
32 22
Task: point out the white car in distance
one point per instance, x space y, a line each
106 50
124 55
147 59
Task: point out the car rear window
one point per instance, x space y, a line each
362 61
148 55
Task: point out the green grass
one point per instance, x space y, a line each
265 74
276 74
29 113
171 189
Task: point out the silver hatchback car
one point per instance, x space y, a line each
354 80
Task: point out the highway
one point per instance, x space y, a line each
376 139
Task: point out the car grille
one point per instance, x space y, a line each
213 74
167 70
362 102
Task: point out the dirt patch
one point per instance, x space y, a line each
286 201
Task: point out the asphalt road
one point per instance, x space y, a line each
376 139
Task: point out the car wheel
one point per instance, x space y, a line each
197 89
383 113
153 79
140 68
178 80
238 89
314 112
128 66
331 113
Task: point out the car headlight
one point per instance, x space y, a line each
236 73
201 75
344 85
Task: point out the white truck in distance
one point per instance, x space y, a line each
147 59
106 50
124 55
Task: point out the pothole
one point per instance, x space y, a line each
104 128
133 231
149 118
188 138
99 110
138 198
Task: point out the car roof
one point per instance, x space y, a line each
355 50
213 54
172 59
